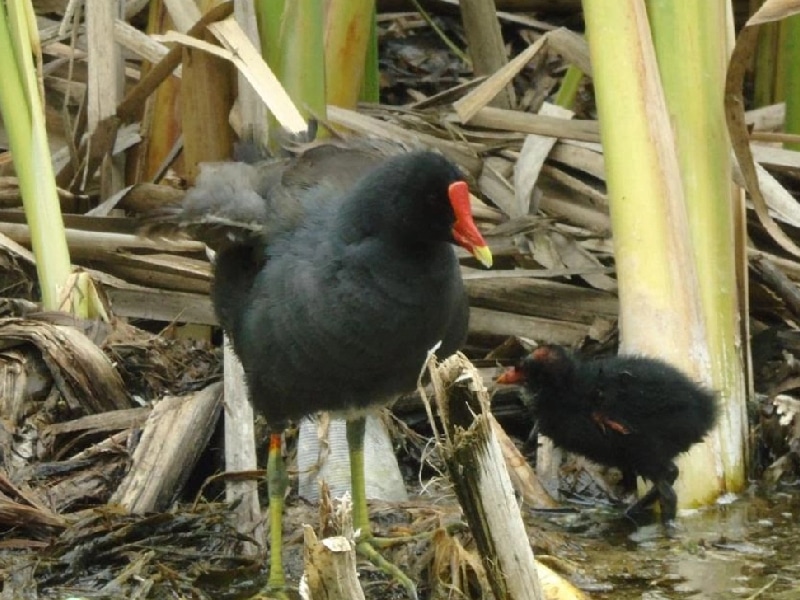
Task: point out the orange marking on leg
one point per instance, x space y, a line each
275 442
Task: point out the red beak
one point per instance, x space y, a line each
512 375
465 232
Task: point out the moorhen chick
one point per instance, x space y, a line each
630 412
335 275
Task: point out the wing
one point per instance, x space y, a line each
252 203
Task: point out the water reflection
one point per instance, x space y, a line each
748 548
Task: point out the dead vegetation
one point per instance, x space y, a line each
86 404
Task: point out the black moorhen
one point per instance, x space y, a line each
630 412
335 275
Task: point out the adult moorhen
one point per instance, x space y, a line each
630 412
335 275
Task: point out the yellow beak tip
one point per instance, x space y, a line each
484 255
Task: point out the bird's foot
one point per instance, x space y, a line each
397 540
272 591
671 529
639 508
276 587
366 547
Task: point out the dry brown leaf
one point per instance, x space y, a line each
250 63
774 10
742 55
470 104
534 152
83 374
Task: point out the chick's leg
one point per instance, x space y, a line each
662 491
668 498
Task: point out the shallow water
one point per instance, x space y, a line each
742 548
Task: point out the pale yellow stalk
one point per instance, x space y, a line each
660 305
691 46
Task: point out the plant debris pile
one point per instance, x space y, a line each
82 401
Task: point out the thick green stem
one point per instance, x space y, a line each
569 87
23 116
791 75
347 34
660 309
371 86
690 44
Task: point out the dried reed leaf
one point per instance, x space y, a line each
572 47
130 107
523 477
248 60
741 57
495 185
774 10
370 126
512 120
534 152
776 197
470 104
83 374
184 13
140 44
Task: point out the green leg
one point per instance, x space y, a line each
365 546
278 482
355 444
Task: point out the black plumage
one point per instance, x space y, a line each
335 275
630 412
345 306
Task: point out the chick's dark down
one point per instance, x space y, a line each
631 412
626 411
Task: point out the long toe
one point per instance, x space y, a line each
672 529
367 543
366 549
643 503
669 501
271 594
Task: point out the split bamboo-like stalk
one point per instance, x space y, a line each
240 453
160 121
240 447
329 565
174 436
206 100
330 568
476 466
105 83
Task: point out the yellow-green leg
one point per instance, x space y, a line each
278 481
366 545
